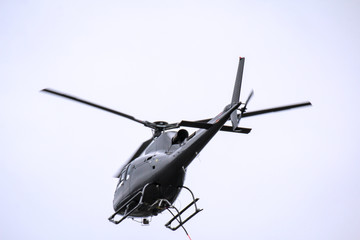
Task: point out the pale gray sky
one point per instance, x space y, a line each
296 176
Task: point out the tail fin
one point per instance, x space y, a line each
236 94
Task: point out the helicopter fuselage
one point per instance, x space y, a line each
163 164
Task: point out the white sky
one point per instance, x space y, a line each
296 176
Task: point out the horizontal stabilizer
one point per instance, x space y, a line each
237 130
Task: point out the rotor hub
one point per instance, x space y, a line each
161 123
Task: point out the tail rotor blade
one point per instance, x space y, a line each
249 97
247 101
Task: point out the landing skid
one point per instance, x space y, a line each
177 217
126 206
160 203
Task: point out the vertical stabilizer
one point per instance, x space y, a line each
236 94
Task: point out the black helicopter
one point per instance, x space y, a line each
151 180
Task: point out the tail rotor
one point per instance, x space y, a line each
243 109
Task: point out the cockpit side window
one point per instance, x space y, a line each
129 171
124 175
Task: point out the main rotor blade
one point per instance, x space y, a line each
204 125
141 149
268 110
276 109
196 124
95 105
138 152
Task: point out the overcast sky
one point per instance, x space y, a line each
295 176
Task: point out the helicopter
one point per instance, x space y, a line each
153 177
